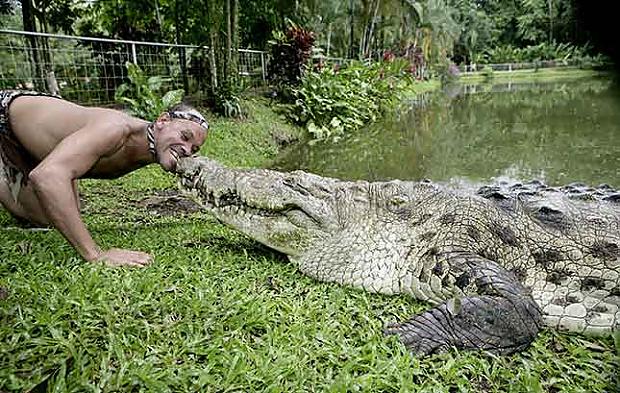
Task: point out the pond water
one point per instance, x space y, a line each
558 132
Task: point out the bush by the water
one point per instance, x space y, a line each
334 101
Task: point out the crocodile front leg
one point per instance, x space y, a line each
500 316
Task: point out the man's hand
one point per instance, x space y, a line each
115 257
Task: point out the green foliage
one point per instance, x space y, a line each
457 29
439 31
144 94
514 23
487 73
533 23
331 103
6 7
226 101
539 52
258 18
140 20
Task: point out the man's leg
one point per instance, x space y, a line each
6 198
29 202
26 206
76 193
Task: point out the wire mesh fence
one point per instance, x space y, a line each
88 70
252 63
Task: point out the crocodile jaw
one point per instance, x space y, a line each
285 211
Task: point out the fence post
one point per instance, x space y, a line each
182 62
262 65
134 56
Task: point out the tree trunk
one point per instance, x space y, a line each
212 61
360 48
234 27
29 25
329 38
158 16
228 48
215 17
550 21
372 27
351 53
182 60
47 65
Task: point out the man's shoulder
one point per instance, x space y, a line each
111 120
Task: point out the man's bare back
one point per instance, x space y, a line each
30 115
66 142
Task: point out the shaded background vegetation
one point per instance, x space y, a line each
462 29
433 33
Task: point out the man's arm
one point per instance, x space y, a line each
53 179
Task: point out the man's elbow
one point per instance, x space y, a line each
43 177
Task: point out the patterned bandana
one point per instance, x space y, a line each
194 117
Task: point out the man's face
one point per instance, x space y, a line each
177 138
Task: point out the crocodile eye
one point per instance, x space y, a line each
400 205
398 200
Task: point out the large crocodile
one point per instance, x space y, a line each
497 264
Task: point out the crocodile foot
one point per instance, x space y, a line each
501 317
486 323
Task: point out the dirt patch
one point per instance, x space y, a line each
169 203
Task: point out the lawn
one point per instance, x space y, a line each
540 74
217 311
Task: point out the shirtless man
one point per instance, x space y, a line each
47 143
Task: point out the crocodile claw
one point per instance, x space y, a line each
417 338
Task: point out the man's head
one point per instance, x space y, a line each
178 132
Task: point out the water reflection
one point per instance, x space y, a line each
557 132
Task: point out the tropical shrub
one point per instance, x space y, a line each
144 95
226 100
332 101
447 71
487 73
290 52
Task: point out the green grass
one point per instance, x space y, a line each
219 312
548 74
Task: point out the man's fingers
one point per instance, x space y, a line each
138 262
144 261
117 258
121 263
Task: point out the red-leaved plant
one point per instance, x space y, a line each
290 52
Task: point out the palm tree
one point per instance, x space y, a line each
438 30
